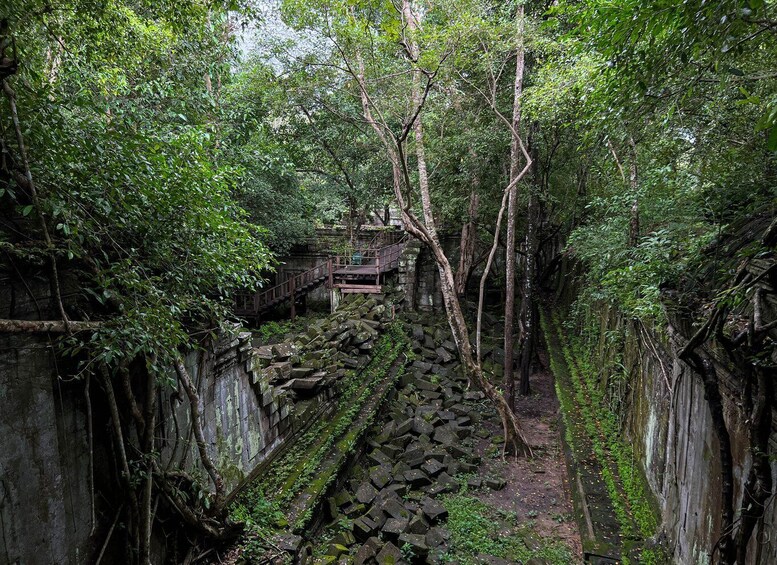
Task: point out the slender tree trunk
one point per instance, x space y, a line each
512 211
468 239
758 487
28 183
528 307
513 432
757 401
486 271
125 474
427 234
194 406
352 222
147 446
418 129
633 184
514 436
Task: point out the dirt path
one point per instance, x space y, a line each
537 489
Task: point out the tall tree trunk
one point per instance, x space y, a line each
468 239
511 426
394 146
758 486
528 318
352 215
512 211
147 446
528 307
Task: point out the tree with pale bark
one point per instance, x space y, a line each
396 60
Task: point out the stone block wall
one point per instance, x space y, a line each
253 399
45 513
419 278
243 417
407 276
666 417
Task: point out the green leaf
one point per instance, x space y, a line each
771 142
26 210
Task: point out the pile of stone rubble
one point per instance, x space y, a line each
390 504
328 347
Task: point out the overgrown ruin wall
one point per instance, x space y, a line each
244 417
252 400
665 414
45 514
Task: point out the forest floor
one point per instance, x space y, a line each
537 489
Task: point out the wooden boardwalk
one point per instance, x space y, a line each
360 272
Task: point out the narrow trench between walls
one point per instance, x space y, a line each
613 503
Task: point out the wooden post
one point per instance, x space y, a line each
331 273
293 305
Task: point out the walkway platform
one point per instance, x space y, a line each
362 272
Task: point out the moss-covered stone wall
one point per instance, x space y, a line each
662 410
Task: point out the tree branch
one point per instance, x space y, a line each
11 95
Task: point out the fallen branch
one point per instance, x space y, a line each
46 326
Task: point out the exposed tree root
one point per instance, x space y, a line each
207 462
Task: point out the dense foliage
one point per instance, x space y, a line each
119 125
120 189
685 95
149 139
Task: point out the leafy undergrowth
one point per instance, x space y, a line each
478 528
275 331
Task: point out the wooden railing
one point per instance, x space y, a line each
255 303
367 262
388 257
385 238
382 259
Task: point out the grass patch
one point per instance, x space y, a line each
272 331
477 527
581 394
